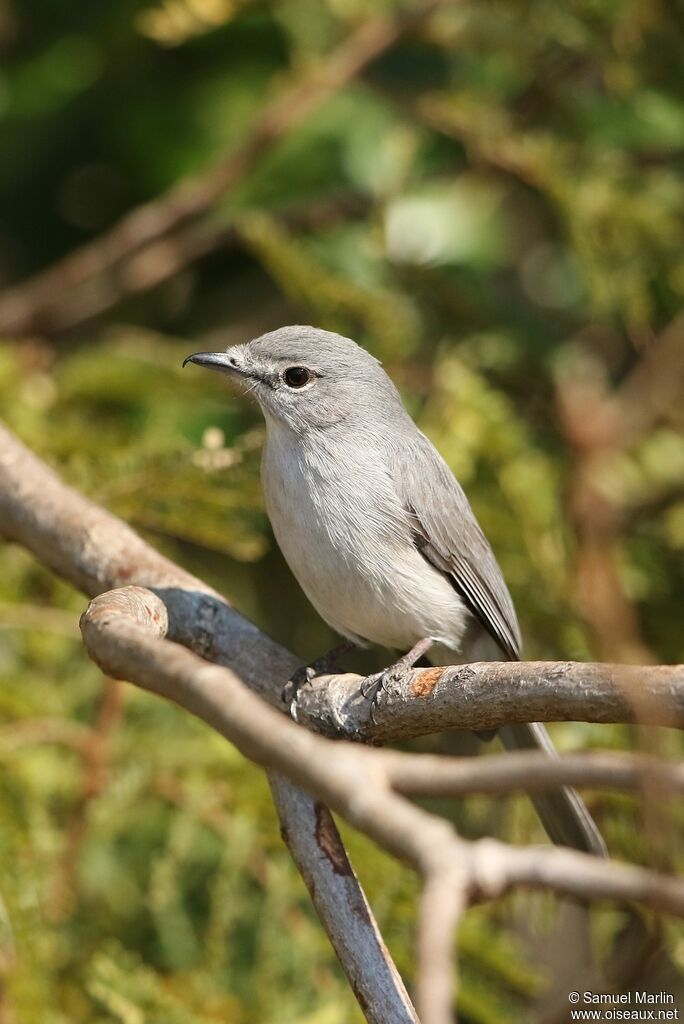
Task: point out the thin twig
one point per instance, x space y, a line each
443 902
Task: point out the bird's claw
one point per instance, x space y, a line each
373 686
370 683
382 682
290 692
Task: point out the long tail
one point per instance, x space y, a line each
562 811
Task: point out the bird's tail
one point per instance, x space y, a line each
562 811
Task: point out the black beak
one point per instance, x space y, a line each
222 361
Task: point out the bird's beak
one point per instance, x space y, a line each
224 362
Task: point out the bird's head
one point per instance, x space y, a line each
306 378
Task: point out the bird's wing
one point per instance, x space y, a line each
448 535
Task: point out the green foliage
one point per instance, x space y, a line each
501 198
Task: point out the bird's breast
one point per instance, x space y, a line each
341 527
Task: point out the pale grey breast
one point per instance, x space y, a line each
350 545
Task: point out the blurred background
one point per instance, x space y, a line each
489 196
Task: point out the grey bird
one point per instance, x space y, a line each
374 525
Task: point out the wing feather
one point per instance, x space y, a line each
448 535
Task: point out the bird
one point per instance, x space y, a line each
375 526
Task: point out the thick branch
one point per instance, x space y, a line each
96 552
357 942
489 694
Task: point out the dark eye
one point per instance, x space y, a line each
297 376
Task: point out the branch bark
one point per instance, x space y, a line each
485 695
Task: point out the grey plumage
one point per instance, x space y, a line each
374 525
449 537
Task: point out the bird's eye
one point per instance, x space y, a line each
297 376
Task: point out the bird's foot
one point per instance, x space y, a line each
374 685
305 673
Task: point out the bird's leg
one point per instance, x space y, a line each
375 684
305 673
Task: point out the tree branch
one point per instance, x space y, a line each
529 771
486 695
